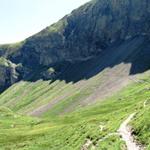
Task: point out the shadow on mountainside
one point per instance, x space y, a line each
135 52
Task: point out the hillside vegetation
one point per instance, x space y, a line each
71 86
93 122
80 84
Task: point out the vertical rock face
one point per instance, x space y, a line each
87 31
8 74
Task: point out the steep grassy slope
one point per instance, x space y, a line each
141 124
18 132
38 97
81 83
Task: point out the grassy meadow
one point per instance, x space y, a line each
70 131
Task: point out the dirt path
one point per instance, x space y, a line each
145 103
107 136
87 145
126 135
124 131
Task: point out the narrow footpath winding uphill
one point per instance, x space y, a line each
126 134
124 131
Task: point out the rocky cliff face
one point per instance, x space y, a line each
85 33
8 73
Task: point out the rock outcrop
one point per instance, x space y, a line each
8 73
87 31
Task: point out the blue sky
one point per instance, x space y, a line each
20 19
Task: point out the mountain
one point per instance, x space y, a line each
78 83
88 32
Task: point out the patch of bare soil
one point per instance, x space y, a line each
127 136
